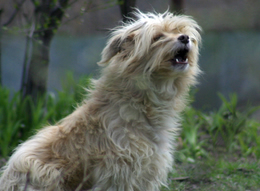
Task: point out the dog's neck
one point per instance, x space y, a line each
141 90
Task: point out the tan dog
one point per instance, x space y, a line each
122 137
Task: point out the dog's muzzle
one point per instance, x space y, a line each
180 59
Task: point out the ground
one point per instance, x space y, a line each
225 173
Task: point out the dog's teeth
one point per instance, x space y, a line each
181 61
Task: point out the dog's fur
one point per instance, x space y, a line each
122 137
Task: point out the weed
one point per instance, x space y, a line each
17 124
227 128
190 140
9 121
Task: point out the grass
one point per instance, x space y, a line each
223 173
217 150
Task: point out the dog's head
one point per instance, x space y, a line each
157 44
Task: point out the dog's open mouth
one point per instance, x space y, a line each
181 57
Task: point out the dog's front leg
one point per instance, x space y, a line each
42 163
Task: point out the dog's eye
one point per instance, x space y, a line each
157 37
193 40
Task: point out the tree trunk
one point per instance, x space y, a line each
36 82
126 7
48 16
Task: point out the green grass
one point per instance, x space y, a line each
223 173
217 150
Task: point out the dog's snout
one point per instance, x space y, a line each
184 39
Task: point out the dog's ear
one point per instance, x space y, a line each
111 49
115 45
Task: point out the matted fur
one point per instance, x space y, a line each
122 137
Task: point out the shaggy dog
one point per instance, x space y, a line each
122 136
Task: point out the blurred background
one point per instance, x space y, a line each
230 54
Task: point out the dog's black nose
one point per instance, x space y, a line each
184 39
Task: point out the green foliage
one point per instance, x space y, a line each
227 123
20 118
192 146
203 134
227 128
9 122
